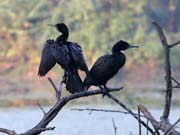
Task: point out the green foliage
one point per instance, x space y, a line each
95 24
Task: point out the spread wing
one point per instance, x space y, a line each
61 53
47 59
78 57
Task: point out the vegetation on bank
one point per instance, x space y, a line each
96 25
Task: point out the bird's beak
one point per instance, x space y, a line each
132 46
51 25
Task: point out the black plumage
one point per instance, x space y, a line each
107 66
69 56
47 59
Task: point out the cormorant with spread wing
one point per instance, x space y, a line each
68 55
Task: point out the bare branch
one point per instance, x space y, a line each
37 131
58 92
139 119
41 108
147 132
175 44
53 85
114 126
99 110
51 114
167 66
162 125
128 110
150 117
104 110
161 34
175 81
7 131
172 127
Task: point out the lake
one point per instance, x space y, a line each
69 122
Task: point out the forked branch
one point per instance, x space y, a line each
51 114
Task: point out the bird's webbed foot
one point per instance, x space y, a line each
104 89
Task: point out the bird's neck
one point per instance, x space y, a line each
116 52
63 37
120 56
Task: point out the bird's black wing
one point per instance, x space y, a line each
102 67
47 59
61 53
78 57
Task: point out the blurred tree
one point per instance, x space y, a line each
95 24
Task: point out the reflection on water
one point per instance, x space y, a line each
70 122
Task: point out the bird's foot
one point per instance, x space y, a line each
105 91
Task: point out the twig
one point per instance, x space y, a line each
175 81
58 92
41 108
172 127
37 131
104 110
147 132
7 131
174 44
139 119
128 110
114 126
53 85
176 87
151 118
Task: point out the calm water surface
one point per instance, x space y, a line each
70 122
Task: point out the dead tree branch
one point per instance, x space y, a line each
139 119
149 116
51 114
167 64
177 83
41 108
174 44
172 127
58 92
105 110
7 131
114 127
129 110
162 125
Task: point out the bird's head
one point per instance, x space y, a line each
121 46
61 27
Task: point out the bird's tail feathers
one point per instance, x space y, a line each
74 83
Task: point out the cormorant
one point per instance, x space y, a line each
69 56
107 66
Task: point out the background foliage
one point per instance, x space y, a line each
95 24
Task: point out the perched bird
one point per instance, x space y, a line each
68 55
107 66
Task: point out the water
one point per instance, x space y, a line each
70 122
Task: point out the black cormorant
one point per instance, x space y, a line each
107 66
69 56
